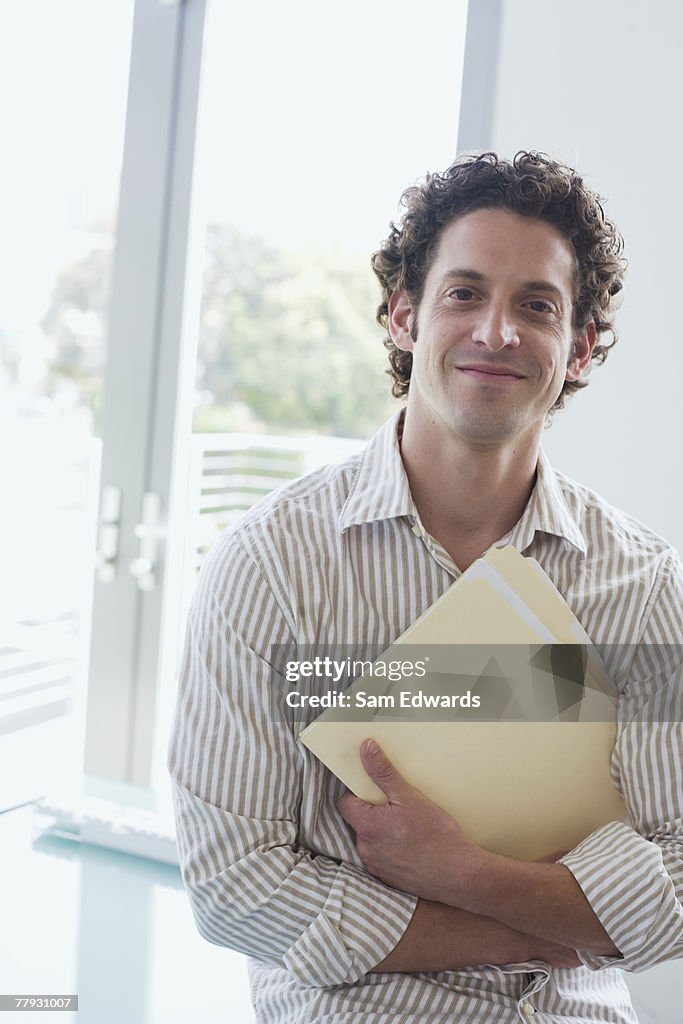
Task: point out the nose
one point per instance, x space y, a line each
496 329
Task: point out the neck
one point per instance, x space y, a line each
468 494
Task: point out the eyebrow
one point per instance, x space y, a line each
476 275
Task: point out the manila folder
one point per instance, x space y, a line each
523 789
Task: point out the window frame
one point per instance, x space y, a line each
148 385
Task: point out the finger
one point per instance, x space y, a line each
382 772
352 809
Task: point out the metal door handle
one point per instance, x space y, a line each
149 533
108 534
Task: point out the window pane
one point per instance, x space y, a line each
314 121
65 68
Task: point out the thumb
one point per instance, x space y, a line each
382 772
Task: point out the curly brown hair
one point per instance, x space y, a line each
532 185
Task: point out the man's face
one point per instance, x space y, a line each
494 333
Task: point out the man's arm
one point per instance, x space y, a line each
442 938
632 874
236 768
618 897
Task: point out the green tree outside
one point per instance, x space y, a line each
288 343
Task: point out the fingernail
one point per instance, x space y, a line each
371 748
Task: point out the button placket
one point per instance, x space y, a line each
535 982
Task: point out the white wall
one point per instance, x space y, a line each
598 85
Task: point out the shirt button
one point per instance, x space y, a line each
527 1009
417 531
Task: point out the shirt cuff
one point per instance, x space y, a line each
360 923
623 877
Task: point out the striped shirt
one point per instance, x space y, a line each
341 557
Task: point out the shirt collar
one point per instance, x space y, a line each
547 511
381 490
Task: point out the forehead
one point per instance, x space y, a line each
505 246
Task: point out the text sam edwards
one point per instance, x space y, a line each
363 699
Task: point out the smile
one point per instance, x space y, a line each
490 375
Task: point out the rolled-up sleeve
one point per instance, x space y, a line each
236 770
632 874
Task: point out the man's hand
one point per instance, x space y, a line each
409 842
412 844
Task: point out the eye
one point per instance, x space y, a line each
461 294
540 306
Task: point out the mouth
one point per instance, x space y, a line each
490 374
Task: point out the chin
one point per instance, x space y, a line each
487 428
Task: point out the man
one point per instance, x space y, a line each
498 288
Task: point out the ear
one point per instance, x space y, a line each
584 343
401 320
